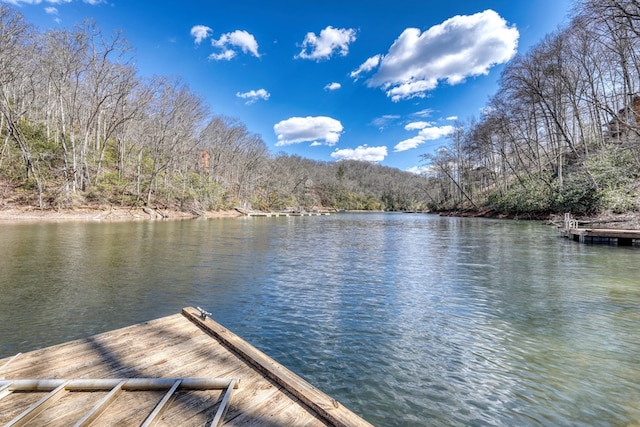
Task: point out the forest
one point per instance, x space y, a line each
80 127
561 134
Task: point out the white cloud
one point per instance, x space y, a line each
421 170
367 66
416 89
254 95
333 86
200 32
308 129
488 110
423 113
416 125
427 132
231 42
452 118
384 121
50 10
226 55
330 40
408 144
436 132
362 153
460 47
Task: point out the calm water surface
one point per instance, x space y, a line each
407 319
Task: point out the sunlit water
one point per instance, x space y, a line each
407 319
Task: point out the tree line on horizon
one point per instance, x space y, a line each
79 126
562 132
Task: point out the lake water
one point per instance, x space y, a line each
408 319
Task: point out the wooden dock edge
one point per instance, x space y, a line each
326 407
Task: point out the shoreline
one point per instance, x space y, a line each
28 214
628 220
104 214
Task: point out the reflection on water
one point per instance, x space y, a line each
407 319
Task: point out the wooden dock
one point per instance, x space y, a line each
252 213
278 214
611 236
180 370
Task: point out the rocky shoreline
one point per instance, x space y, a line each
102 213
629 220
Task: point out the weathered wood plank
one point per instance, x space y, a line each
170 347
325 406
99 407
32 411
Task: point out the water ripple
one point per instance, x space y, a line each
407 319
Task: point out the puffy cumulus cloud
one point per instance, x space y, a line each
317 130
329 41
428 132
254 95
460 47
362 153
333 86
452 118
200 32
230 43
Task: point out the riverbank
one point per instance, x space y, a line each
104 213
626 220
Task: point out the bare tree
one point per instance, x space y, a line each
18 70
173 117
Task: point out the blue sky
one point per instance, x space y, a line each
374 80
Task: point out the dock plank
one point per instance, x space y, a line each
177 346
621 237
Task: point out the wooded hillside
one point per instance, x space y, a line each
79 126
562 133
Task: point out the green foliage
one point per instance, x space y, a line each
606 179
603 182
110 154
620 200
274 200
35 134
351 200
12 167
577 195
530 197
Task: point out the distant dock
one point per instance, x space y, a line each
252 213
180 370
608 236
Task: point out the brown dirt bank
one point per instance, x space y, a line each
103 213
